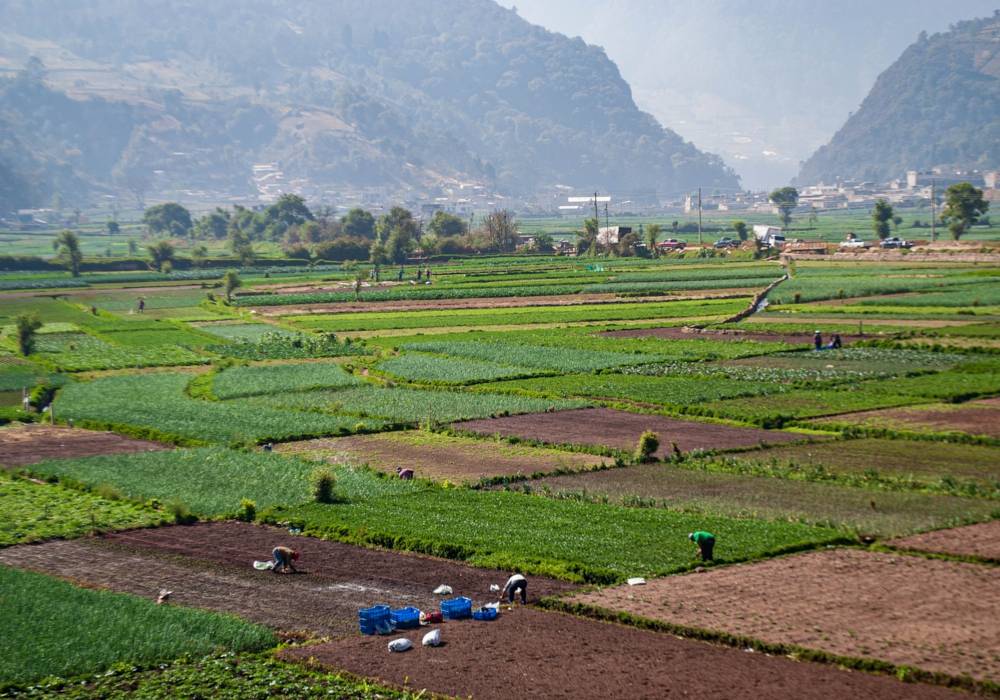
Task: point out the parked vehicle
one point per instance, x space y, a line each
769 236
895 243
854 242
671 244
726 243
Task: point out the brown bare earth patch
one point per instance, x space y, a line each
981 540
932 614
30 443
433 456
239 544
995 401
528 653
977 418
604 426
679 333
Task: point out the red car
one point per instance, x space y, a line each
671 244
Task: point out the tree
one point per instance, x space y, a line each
378 256
588 242
112 227
215 224
198 255
169 218
445 225
881 216
652 233
68 246
246 255
786 199
297 251
397 217
813 216
230 282
398 243
963 207
544 243
25 325
133 246
359 223
500 228
896 221
344 248
289 210
674 226
627 244
160 253
741 229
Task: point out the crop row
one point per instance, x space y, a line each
624 287
984 294
402 404
733 272
157 401
375 321
78 352
252 381
243 331
407 294
56 281
562 359
288 346
817 289
432 368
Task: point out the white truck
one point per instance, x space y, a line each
769 236
853 242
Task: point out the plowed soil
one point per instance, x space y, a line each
30 443
981 540
978 418
528 653
678 333
440 457
935 615
239 544
603 426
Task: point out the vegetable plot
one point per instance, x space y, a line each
562 359
432 368
252 381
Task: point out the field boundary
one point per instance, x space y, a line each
849 430
907 674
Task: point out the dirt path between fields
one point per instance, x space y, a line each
528 653
28 443
604 426
932 614
981 540
440 457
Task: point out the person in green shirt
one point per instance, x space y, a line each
705 542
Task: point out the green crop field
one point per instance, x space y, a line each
805 403
157 401
562 359
157 338
213 481
251 381
820 288
431 368
679 286
243 331
77 352
31 512
564 538
16 374
403 404
53 628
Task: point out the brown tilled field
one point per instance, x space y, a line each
981 540
439 457
975 418
534 654
932 614
27 443
604 426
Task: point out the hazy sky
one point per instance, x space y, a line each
761 82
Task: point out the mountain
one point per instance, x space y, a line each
938 105
342 93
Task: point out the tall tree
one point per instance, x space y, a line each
289 210
786 199
500 228
230 282
359 223
170 218
213 224
652 233
160 253
445 225
963 207
68 246
881 216
741 229
112 226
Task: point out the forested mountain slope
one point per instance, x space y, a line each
374 92
937 106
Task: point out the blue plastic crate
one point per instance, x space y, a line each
405 618
370 618
487 614
453 609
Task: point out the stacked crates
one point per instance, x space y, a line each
373 617
454 609
405 618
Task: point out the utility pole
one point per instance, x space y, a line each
699 216
607 221
933 210
596 213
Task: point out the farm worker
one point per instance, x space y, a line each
817 341
705 542
142 304
399 275
515 583
419 273
427 273
835 344
283 558
405 474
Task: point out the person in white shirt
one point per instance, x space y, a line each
515 583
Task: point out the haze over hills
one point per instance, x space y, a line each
189 95
938 106
763 83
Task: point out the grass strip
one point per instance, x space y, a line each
53 628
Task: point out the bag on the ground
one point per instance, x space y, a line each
637 581
435 616
432 639
494 587
401 644
263 565
443 590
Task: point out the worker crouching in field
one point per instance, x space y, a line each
283 558
705 542
515 583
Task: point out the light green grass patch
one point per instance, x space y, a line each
432 368
274 379
562 359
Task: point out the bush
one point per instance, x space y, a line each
649 443
248 511
41 396
340 249
324 486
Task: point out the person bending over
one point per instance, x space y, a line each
705 542
283 558
515 583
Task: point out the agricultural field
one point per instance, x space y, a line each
569 419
